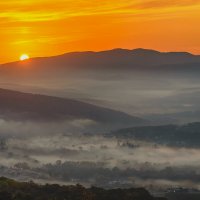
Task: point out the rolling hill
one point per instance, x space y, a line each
187 135
17 106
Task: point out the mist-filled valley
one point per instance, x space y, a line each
100 160
100 100
119 118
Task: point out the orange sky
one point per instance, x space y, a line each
49 27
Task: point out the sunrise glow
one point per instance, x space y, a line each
50 27
24 57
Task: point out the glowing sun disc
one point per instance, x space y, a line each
24 57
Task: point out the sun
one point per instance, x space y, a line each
24 57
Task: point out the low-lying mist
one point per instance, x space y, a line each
137 93
46 153
74 152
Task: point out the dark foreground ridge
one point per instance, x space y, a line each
13 190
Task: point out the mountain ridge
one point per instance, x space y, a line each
116 60
19 105
115 50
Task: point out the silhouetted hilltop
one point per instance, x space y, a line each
12 190
18 105
118 59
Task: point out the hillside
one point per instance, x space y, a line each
17 105
187 135
10 190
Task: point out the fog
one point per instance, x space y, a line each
70 152
44 155
137 93
10 128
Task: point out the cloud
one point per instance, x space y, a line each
164 4
32 11
96 25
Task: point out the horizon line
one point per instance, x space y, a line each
100 51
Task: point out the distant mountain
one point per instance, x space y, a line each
17 106
121 59
187 135
120 79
